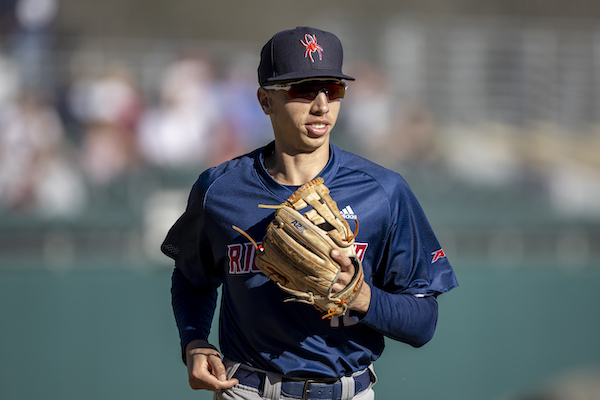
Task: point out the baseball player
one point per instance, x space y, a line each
272 348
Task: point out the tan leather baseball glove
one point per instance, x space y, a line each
295 251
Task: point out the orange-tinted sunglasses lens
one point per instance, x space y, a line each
310 90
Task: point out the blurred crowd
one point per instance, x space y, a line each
73 127
63 142
102 128
60 142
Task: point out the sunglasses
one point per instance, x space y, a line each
309 90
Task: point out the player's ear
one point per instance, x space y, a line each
264 100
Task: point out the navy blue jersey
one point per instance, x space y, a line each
403 263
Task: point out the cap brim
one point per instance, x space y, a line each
306 74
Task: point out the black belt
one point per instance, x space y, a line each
310 389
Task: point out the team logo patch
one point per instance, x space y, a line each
311 45
437 255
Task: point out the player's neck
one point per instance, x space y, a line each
298 168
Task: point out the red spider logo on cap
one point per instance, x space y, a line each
310 43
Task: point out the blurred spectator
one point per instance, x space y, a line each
411 141
105 153
248 127
36 172
32 41
8 20
107 107
180 131
368 114
384 128
9 81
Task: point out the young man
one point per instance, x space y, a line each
280 350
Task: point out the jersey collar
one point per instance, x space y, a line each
282 191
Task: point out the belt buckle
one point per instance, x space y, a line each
305 389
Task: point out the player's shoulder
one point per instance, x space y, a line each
226 173
234 165
390 181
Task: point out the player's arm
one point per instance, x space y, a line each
408 277
404 317
194 291
194 310
195 279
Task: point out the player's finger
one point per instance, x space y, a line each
210 382
207 371
218 368
346 273
204 376
343 260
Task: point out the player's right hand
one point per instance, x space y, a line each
205 367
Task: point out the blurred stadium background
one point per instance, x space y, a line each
109 110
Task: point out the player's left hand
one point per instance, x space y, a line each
205 367
363 301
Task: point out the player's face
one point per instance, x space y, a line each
299 123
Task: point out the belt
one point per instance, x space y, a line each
309 389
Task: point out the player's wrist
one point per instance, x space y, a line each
360 306
201 347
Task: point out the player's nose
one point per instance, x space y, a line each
320 104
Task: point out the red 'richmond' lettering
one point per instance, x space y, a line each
241 257
234 252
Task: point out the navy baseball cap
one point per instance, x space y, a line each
301 53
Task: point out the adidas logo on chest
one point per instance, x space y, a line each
348 213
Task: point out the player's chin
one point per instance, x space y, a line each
310 144
318 137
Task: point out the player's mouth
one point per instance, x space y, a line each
317 128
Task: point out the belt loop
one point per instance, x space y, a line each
347 387
272 389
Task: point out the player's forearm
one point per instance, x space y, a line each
403 317
193 309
